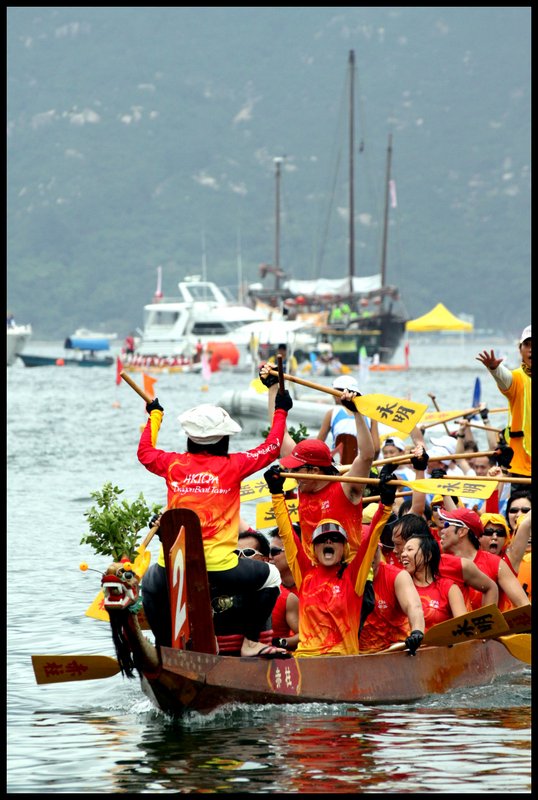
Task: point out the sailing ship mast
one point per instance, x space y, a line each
351 170
386 216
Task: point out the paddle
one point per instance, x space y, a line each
434 401
403 415
468 487
449 416
519 619
58 669
143 558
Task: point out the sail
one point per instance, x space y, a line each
333 286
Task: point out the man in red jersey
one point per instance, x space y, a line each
460 536
319 498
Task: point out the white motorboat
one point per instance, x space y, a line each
17 336
203 314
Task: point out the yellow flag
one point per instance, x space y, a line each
265 516
470 487
393 411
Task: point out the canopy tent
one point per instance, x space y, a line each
438 319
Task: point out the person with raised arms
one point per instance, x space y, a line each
207 479
330 581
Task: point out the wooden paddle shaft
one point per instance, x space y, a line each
434 401
280 369
319 386
340 478
127 378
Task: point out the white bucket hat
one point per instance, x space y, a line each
346 382
448 442
207 424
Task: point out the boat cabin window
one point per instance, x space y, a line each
161 317
210 328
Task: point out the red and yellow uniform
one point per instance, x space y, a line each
211 486
329 605
435 602
386 623
331 501
524 575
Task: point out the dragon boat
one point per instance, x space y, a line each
201 671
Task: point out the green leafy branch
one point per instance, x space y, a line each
297 434
114 525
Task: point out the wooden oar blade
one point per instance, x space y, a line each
482 623
519 645
403 415
519 619
469 487
59 669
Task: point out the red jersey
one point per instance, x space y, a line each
489 564
210 485
278 614
329 605
387 623
331 501
435 603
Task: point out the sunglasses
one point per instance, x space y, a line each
517 510
453 525
247 552
333 538
493 532
275 551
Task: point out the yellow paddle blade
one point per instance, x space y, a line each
258 386
519 645
142 562
483 623
519 619
265 516
97 609
253 490
471 487
443 416
392 411
58 669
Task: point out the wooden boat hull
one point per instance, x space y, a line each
191 676
203 682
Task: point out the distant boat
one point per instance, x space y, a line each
87 354
204 315
17 337
369 320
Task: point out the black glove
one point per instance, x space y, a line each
283 400
420 462
387 492
349 404
155 518
154 406
269 380
484 413
413 641
438 473
503 456
274 480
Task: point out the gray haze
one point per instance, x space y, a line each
140 137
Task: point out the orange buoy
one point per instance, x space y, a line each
60 362
222 351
